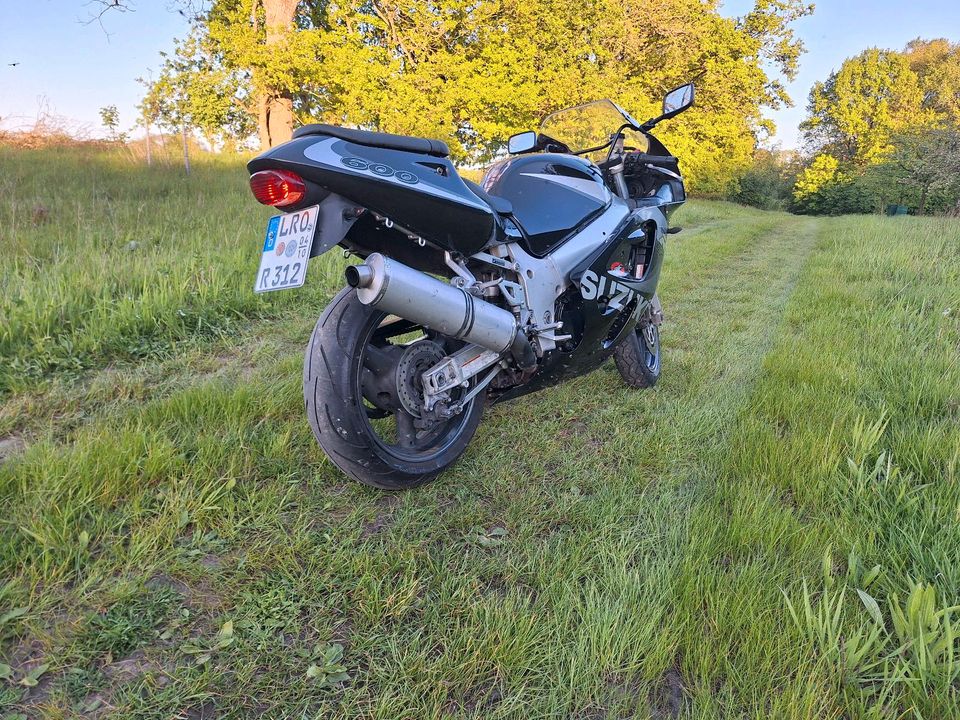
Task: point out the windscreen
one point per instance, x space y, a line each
584 126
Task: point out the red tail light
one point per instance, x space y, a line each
277 187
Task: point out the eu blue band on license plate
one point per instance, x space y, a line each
271 240
286 250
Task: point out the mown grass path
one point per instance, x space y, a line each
175 545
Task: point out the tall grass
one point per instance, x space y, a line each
105 260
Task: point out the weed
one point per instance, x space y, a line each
127 624
327 668
204 649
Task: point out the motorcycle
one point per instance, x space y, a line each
468 294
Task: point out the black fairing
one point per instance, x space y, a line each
419 192
552 195
589 309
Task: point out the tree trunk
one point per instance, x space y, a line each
146 127
923 201
280 120
263 121
186 151
275 107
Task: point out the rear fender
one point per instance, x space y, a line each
337 216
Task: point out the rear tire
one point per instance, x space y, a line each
340 416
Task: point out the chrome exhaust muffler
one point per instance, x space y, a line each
393 287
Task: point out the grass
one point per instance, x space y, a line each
773 532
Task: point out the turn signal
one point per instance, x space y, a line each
278 188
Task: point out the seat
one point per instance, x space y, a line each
436 148
500 205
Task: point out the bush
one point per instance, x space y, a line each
919 171
843 195
767 184
824 188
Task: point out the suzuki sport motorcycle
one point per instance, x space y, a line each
468 294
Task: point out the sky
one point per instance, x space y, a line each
72 67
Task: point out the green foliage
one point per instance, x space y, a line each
111 121
767 184
857 110
885 130
822 188
937 65
921 171
923 167
328 668
127 624
820 173
912 660
195 90
474 73
203 649
852 652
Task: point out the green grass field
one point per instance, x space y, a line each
774 532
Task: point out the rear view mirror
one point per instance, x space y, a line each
677 100
674 103
522 142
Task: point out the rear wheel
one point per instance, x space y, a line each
361 384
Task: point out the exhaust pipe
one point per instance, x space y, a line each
400 290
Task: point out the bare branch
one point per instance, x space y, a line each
106 6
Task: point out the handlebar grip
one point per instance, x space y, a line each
653 159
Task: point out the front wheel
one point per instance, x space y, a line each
361 384
638 356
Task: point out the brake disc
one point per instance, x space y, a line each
415 360
649 334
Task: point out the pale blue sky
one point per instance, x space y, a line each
78 67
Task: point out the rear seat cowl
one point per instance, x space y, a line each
435 148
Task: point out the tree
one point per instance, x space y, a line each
937 65
257 42
474 72
194 90
885 126
111 121
272 47
854 114
768 183
542 56
824 188
169 101
822 171
927 162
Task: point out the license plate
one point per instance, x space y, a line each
286 250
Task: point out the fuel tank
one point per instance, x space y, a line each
553 195
418 191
